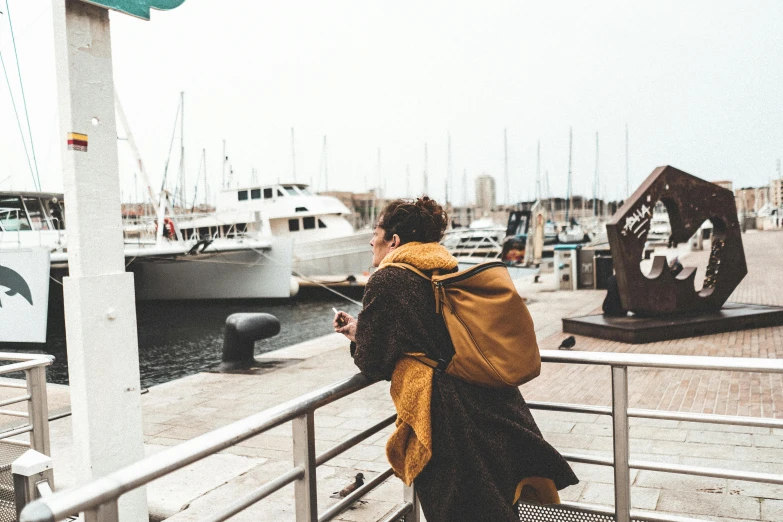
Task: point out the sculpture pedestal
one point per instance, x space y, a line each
639 330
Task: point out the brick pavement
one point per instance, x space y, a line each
188 407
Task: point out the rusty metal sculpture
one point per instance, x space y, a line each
689 202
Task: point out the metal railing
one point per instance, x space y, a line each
98 499
37 415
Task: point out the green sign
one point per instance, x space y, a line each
140 8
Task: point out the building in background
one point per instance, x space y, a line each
485 192
728 185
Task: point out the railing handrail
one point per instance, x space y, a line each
43 358
93 494
684 362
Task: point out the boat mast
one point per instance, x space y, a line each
448 170
426 188
223 164
627 184
136 153
569 196
293 155
379 192
538 171
505 163
465 187
206 184
182 191
595 181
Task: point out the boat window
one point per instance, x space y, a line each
267 193
255 194
305 191
301 209
242 195
321 224
36 214
280 193
290 190
308 222
293 225
12 214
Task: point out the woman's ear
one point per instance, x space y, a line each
395 241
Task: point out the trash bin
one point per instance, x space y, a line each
565 266
584 277
602 269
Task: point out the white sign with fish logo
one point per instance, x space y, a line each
24 295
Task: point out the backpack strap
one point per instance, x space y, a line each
439 365
412 268
418 272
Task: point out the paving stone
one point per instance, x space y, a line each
598 493
677 482
772 510
716 437
687 502
756 489
656 433
768 441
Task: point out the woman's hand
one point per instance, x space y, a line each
345 324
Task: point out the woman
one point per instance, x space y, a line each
471 451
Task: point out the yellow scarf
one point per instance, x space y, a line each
409 448
424 256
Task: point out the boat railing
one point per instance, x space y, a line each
98 499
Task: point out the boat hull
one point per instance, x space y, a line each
245 274
334 257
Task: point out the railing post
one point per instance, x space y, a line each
304 456
409 495
28 472
622 472
38 409
107 512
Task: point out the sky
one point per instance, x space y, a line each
697 83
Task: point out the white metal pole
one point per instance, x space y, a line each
100 312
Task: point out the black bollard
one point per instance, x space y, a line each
242 331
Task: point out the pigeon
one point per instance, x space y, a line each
350 488
568 343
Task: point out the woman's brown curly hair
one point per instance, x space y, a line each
422 220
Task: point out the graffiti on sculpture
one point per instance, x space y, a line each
689 201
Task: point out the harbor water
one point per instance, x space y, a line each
180 338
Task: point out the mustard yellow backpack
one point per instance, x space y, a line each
489 325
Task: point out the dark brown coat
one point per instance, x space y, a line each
484 440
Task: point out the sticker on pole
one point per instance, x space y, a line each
77 141
24 295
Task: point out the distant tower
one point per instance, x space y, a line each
485 192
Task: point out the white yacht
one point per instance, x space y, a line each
325 244
169 269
